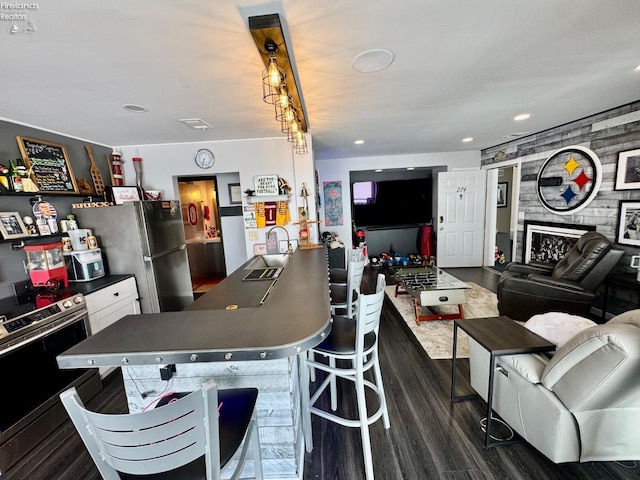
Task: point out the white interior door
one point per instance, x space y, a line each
460 222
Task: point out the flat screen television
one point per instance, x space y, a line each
391 203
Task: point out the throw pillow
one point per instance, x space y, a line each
558 327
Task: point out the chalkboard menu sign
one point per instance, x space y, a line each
49 164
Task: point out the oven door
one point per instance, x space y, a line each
32 382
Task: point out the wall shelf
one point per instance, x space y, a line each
267 198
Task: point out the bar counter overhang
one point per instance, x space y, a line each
294 317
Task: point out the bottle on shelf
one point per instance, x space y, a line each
15 177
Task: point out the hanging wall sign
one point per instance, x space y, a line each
49 165
569 179
192 214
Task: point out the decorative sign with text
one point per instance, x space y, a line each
49 165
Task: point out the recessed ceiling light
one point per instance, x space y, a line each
637 69
411 168
521 116
134 108
378 170
467 139
373 60
358 142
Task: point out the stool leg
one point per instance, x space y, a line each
255 444
333 387
383 398
364 424
303 373
312 371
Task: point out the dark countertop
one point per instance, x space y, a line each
294 317
86 288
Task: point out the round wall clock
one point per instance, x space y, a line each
204 158
569 179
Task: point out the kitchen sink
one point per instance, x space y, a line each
276 259
269 261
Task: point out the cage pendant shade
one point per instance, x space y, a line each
300 146
286 117
273 78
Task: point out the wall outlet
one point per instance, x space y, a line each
253 235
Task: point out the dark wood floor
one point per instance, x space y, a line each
428 439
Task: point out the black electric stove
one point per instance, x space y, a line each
37 325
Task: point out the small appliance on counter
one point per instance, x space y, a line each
84 265
45 265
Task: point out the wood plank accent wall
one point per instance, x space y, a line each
607 134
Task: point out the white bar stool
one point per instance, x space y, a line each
355 343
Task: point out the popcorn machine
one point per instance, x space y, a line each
46 266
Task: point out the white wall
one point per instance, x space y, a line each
245 158
338 169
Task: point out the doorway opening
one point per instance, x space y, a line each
506 216
202 232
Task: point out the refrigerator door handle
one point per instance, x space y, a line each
149 258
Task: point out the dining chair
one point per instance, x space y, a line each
351 349
192 437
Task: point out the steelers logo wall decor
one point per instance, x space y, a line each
569 179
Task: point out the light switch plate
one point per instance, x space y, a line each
253 235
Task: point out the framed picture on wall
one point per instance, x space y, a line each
235 194
628 170
628 231
11 225
548 242
503 190
266 185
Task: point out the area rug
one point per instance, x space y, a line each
436 336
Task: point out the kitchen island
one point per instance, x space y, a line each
241 333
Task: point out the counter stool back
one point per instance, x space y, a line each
344 296
338 275
352 349
183 439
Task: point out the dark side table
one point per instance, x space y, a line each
499 336
627 281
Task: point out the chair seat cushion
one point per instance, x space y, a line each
338 275
235 407
338 294
342 338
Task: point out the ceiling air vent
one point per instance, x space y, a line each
196 123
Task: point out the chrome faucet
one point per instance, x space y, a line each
289 249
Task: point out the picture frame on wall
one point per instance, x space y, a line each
548 242
12 226
503 190
266 185
628 170
49 165
235 194
628 230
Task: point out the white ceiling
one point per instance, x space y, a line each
462 68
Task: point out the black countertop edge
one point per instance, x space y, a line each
86 288
295 317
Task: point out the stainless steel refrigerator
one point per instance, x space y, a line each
147 240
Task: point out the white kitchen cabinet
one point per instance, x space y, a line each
110 304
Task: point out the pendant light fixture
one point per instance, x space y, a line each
273 77
279 87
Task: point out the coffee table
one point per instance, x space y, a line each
431 286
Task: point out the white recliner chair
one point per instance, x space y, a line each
583 403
